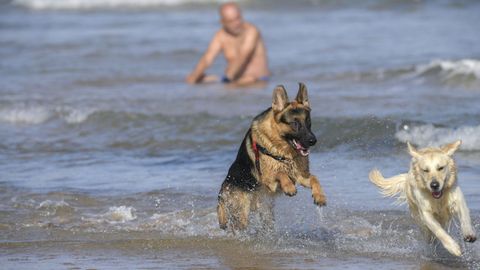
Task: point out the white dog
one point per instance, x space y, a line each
431 191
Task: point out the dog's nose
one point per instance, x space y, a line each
434 185
312 141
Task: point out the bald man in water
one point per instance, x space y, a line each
243 48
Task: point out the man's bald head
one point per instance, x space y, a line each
229 9
231 18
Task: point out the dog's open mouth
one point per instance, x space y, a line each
437 194
300 148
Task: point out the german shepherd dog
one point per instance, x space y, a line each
274 153
431 191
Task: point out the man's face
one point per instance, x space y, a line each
233 23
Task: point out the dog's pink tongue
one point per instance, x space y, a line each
304 152
437 194
298 146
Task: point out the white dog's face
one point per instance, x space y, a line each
434 168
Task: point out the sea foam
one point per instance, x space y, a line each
25 115
38 114
120 214
429 135
451 69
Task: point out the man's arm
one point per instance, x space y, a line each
246 52
213 50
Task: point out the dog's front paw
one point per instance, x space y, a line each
290 190
319 199
291 194
470 238
454 249
223 226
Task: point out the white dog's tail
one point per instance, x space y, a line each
390 187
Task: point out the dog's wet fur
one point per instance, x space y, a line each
272 156
431 191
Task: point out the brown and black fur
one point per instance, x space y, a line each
282 133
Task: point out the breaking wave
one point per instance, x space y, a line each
430 135
451 71
463 72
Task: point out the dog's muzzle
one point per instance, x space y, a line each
436 191
304 151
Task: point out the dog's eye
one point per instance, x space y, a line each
295 125
426 170
440 168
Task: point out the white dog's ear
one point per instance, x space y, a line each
302 95
450 148
412 151
280 99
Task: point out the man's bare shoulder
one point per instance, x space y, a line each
251 29
219 34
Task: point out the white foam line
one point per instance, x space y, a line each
21 115
429 135
34 115
452 68
120 214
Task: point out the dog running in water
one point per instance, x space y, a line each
431 191
273 154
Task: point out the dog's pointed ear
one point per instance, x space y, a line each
412 151
280 99
302 95
450 148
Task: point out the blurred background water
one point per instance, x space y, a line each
109 160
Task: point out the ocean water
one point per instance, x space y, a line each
108 160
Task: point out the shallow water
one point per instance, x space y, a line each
109 161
